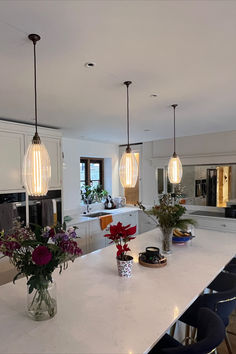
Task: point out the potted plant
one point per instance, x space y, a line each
100 193
36 254
169 214
121 235
88 194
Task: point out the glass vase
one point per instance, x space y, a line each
166 240
41 302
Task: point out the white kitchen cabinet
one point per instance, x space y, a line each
11 161
146 223
129 218
92 237
82 232
14 141
96 239
215 223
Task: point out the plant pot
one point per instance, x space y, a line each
166 240
125 266
41 302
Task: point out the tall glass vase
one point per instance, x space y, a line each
166 240
41 302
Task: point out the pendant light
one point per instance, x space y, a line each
175 170
128 164
36 166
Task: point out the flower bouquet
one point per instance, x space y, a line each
169 214
36 254
121 235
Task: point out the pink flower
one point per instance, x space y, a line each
41 255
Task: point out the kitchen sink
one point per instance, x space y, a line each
95 215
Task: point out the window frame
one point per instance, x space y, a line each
88 161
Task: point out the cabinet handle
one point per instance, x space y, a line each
224 225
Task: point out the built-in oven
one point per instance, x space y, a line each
47 210
12 206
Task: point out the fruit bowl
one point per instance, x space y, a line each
180 236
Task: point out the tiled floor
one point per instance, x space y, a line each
232 327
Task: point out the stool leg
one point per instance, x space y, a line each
228 345
187 334
172 330
193 335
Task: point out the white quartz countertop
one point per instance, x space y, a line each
100 312
76 218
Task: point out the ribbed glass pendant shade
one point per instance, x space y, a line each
175 170
128 170
36 170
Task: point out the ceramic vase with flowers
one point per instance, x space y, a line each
36 254
121 235
169 215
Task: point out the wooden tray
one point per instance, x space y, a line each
150 265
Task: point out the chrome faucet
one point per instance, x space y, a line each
88 208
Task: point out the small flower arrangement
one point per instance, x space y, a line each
36 254
169 214
121 235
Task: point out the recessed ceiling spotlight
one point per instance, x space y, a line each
153 95
90 64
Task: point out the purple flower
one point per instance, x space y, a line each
61 236
72 232
71 247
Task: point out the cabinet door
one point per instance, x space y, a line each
96 239
127 218
82 232
146 223
11 161
53 146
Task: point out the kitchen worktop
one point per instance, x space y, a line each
100 312
80 218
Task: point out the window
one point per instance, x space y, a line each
91 172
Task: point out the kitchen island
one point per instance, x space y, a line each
99 312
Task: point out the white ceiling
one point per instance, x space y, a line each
182 50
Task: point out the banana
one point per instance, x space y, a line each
179 233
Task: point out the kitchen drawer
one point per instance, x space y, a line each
211 223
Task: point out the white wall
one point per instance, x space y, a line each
74 149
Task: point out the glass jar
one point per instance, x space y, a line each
166 240
41 302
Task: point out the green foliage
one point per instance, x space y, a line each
93 194
169 215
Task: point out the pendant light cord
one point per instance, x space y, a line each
35 38
174 132
35 91
174 107
127 83
128 115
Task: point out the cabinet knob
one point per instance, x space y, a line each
224 225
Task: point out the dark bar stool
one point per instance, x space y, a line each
231 266
222 302
211 332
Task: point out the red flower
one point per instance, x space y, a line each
119 231
41 255
122 249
